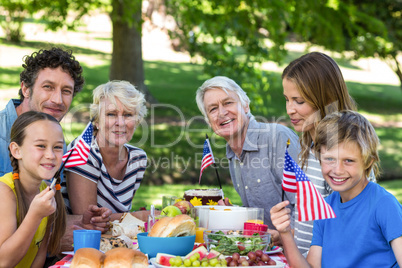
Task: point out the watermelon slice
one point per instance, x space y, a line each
201 250
163 258
214 254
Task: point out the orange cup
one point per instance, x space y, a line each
199 234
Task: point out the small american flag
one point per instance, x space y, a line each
310 203
80 151
207 157
289 178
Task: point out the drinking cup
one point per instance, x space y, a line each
86 239
200 215
168 200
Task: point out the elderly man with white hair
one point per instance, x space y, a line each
255 150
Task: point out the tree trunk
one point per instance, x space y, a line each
127 63
398 72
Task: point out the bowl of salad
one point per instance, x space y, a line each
228 242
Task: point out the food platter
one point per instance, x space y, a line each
279 264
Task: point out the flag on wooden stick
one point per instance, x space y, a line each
207 157
310 203
78 155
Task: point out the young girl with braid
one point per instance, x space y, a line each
32 218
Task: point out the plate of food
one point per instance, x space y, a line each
68 252
274 249
278 264
123 233
200 257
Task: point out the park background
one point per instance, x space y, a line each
178 51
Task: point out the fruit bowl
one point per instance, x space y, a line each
228 242
180 246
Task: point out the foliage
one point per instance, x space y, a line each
234 38
53 13
231 37
14 13
126 17
369 43
368 28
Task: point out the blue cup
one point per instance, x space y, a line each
86 239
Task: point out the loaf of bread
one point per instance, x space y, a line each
87 258
180 225
124 257
117 257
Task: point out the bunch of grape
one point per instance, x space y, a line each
257 258
195 261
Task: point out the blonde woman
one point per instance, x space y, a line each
115 169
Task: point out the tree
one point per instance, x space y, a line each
368 28
127 62
233 38
126 17
387 44
54 13
14 13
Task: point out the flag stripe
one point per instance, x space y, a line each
206 163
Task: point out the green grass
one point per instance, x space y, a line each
394 187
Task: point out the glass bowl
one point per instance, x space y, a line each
228 242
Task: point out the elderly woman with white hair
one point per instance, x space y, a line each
115 169
255 150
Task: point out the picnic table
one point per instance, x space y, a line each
66 261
